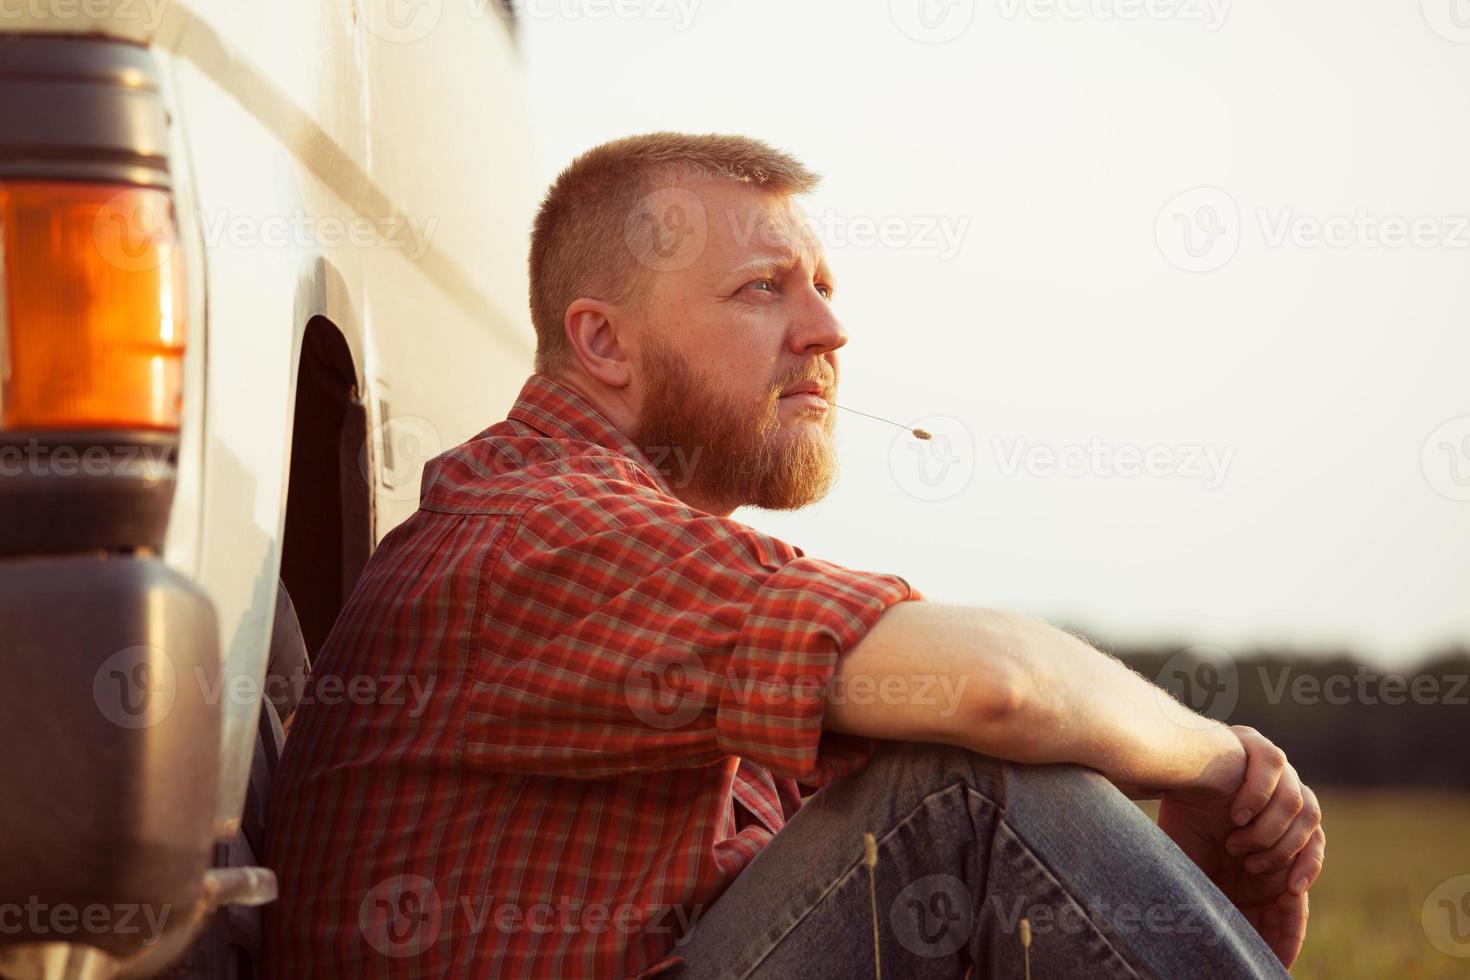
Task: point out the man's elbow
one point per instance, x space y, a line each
998 696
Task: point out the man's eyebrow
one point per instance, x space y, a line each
779 262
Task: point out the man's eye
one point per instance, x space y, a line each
771 283
825 290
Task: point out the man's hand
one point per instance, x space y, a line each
1261 843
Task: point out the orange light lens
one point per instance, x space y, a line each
93 331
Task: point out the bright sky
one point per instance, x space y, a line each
1184 295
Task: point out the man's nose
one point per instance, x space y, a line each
817 329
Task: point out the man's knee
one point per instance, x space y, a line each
1002 781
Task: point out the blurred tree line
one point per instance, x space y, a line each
1341 721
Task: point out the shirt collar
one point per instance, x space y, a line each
558 411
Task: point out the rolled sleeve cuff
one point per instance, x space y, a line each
806 615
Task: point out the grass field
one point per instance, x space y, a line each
1386 852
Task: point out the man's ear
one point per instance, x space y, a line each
598 333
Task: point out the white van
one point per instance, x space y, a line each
260 261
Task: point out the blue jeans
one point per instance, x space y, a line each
967 847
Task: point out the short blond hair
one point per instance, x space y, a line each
577 242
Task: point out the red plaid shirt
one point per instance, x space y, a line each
559 714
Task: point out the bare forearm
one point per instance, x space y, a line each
1026 692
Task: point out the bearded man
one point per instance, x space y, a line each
646 747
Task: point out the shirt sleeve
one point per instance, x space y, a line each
627 632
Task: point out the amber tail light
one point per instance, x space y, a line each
92 324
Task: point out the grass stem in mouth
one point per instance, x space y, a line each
919 433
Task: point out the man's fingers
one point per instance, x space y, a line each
1288 928
1281 853
1277 854
1308 864
1272 822
1265 764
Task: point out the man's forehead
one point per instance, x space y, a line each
704 230
748 222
